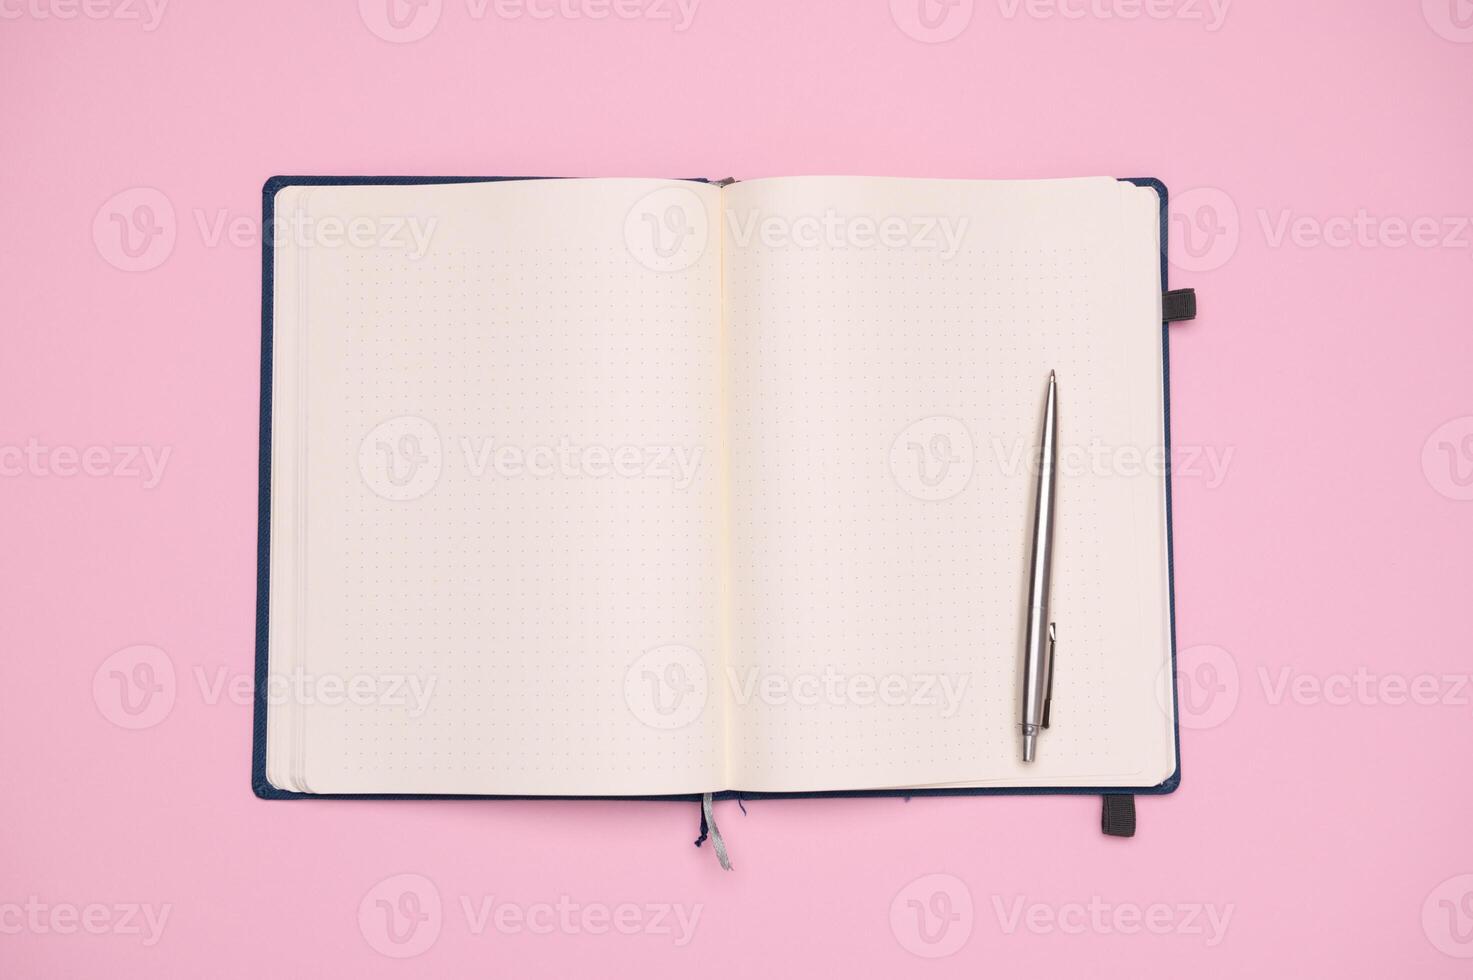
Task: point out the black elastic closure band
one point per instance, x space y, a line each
1179 304
1117 817
705 829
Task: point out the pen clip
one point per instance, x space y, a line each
1048 687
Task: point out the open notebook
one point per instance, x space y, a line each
652 487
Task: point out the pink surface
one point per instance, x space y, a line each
1322 824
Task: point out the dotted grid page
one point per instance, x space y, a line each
888 349
496 490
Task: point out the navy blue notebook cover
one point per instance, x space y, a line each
265 790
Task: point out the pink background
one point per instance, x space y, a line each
1337 376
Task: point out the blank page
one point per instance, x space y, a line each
889 344
496 474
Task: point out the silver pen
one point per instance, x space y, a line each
1038 640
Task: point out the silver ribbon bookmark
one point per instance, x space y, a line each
708 817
